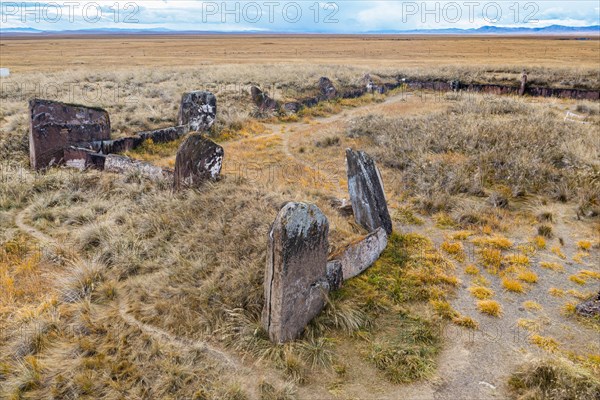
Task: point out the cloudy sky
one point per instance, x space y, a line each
342 16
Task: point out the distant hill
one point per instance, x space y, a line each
484 30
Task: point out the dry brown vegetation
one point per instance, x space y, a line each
123 289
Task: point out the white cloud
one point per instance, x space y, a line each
353 16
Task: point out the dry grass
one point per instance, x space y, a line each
490 307
455 249
552 266
556 292
481 292
532 305
471 269
543 342
513 285
527 276
557 379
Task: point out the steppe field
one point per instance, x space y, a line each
112 286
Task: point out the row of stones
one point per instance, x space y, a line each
327 91
298 275
55 127
79 137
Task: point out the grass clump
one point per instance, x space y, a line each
532 305
517 259
410 355
497 242
544 342
512 285
444 309
555 379
481 292
466 322
578 279
490 307
539 242
556 292
491 258
584 245
558 251
528 276
461 235
471 269
589 274
551 265
455 249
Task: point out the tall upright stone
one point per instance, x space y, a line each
296 273
198 110
198 160
55 126
367 196
523 86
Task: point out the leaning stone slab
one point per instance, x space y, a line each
296 273
366 192
165 135
198 110
262 100
126 165
55 126
359 256
198 160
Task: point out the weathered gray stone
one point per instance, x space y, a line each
359 256
55 126
366 192
335 275
328 91
165 135
262 100
198 160
198 110
81 158
292 107
296 273
126 165
590 308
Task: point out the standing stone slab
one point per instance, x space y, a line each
359 256
296 274
55 126
366 192
198 110
198 160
